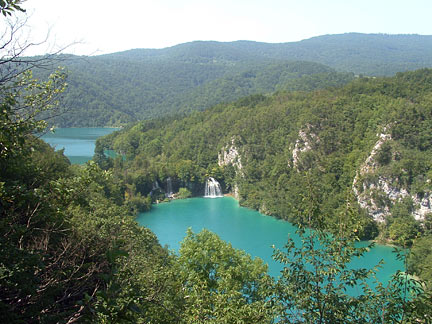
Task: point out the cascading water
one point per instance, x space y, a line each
169 192
212 189
155 186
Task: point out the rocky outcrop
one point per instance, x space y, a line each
303 144
368 191
423 205
370 164
376 196
229 155
376 193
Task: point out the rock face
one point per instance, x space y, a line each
377 193
367 191
374 192
303 144
229 155
370 165
424 206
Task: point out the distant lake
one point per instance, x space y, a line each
245 229
79 143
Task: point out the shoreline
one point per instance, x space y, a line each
375 241
230 194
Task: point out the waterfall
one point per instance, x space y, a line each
212 189
155 186
169 192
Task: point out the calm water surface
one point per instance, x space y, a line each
79 143
244 228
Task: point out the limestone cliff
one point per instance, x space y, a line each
377 193
229 155
304 143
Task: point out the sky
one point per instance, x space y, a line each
92 27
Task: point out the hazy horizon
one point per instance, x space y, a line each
102 27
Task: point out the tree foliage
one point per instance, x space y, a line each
119 88
223 284
72 252
116 90
7 7
328 133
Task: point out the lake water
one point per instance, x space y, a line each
79 143
244 228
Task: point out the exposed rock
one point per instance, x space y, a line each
370 164
229 155
236 191
303 144
424 206
369 192
263 209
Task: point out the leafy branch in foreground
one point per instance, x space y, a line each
21 102
318 285
223 284
7 7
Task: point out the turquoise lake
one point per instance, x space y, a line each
79 143
244 228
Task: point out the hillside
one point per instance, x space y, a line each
113 91
368 142
346 162
368 54
124 87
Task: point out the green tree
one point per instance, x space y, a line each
7 7
403 231
68 243
184 193
420 259
316 276
222 284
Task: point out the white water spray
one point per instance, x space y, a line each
169 191
212 189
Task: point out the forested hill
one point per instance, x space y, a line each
369 142
368 54
113 91
140 84
72 252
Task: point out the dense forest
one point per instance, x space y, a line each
119 88
71 251
113 91
369 142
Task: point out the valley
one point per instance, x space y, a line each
215 181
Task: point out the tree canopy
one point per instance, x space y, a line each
71 250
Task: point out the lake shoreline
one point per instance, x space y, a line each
78 142
244 228
230 194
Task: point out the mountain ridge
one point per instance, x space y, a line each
299 50
119 88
